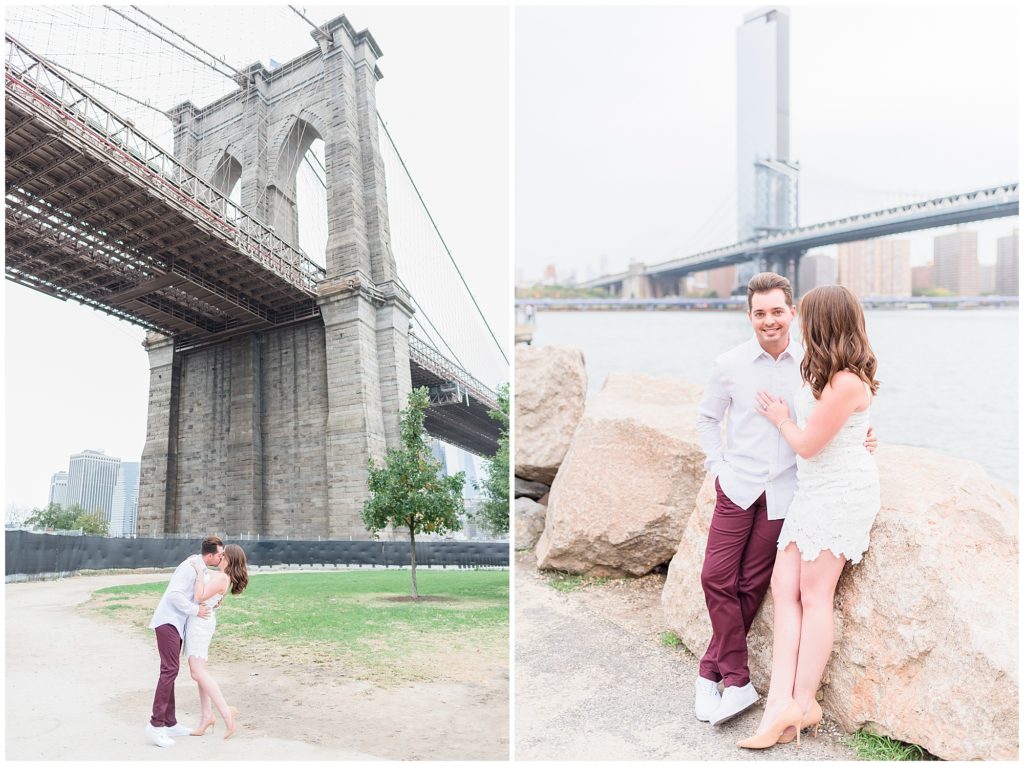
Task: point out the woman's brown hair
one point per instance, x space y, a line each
832 325
236 569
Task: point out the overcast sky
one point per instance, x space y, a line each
626 135
77 379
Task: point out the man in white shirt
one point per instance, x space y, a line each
176 606
755 479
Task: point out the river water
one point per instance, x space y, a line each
949 379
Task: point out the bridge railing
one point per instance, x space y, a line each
433 360
961 200
30 76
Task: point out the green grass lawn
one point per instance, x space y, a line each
353 620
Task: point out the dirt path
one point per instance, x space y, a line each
79 688
593 681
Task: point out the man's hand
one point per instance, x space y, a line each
871 441
204 612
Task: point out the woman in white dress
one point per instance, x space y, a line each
211 587
836 501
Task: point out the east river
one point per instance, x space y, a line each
949 379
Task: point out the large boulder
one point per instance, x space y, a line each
926 625
627 485
529 522
550 391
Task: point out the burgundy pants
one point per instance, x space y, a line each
737 571
168 643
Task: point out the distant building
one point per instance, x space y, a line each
875 267
766 183
986 278
550 275
125 504
59 488
956 262
816 270
721 281
1007 262
92 476
921 277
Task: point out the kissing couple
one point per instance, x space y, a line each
187 613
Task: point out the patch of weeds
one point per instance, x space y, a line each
877 747
670 639
565 582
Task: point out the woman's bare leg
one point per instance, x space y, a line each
786 633
818 580
201 675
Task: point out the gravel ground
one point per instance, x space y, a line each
594 682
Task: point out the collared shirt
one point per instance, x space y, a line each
178 602
755 457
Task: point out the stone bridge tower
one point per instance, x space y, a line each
271 432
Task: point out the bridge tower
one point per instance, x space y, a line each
270 432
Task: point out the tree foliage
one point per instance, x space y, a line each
494 514
410 490
56 516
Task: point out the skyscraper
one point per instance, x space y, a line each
875 267
816 270
91 479
125 503
766 178
1007 265
59 488
956 262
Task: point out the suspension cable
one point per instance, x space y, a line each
443 243
194 45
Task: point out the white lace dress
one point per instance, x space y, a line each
837 494
198 631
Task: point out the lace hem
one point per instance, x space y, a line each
810 550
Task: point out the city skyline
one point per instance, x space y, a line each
81 376
869 132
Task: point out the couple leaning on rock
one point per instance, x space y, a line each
796 497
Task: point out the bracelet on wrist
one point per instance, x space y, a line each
784 420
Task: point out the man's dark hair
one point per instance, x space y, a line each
765 282
211 544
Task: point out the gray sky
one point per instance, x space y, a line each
625 123
78 379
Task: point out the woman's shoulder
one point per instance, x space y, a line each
846 385
219 578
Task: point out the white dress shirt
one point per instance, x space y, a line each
178 602
755 457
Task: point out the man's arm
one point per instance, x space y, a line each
182 586
710 414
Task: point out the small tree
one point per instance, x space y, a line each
495 514
56 516
410 491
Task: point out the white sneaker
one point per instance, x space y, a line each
735 699
707 700
178 730
158 735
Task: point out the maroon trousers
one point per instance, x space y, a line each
737 571
168 643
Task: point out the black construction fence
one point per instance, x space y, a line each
32 553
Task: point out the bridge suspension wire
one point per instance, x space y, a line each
405 168
71 71
220 60
169 42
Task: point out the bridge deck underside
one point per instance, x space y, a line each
80 225
465 425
